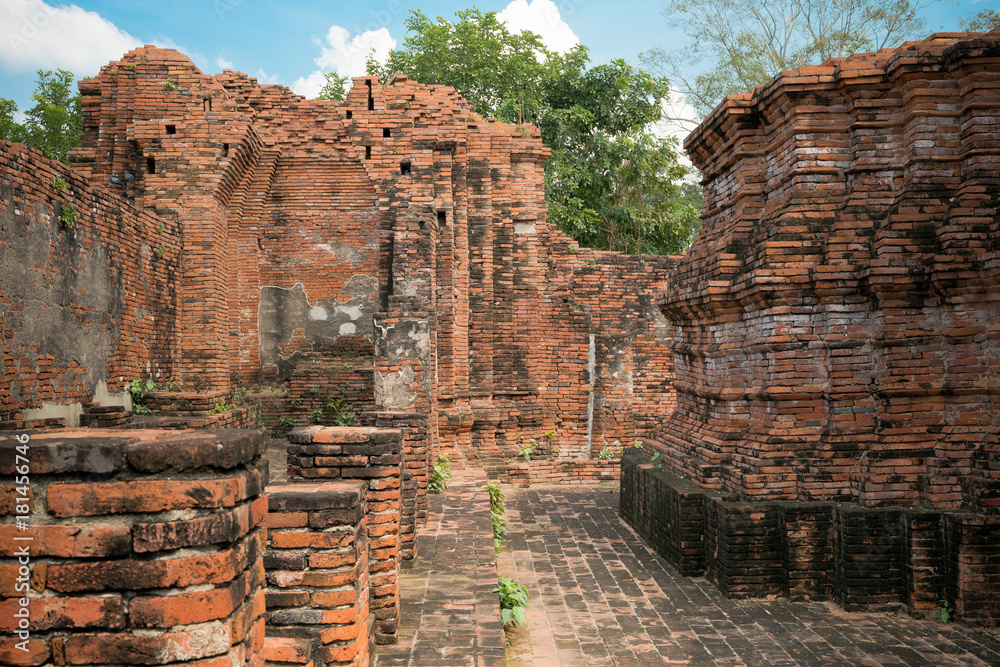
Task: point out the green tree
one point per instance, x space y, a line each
986 20
53 124
747 42
10 129
609 183
334 88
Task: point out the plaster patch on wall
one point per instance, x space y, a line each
392 390
283 311
342 251
524 228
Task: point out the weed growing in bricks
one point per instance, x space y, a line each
349 367
657 460
342 416
608 453
170 83
162 250
514 600
297 401
497 513
637 444
526 450
219 406
945 613
317 415
68 214
286 423
440 474
140 389
60 183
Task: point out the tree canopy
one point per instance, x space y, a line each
334 88
610 183
749 41
53 124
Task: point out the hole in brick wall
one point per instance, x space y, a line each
386 132
225 150
150 165
404 168
442 218
208 104
371 100
368 152
171 129
350 115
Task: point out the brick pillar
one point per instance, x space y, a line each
317 569
145 547
372 455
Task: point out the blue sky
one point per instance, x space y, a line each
294 41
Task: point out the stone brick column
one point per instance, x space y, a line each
374 456
143 547
317 569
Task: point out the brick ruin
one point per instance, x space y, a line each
836 336
815 377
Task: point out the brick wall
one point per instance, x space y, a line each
872 559
144 546
84 307
834 335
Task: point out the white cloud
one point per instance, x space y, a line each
678 120
264 77
541 17
222 63
39 35
341 53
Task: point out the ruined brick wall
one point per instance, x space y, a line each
85 305
836 325
393 233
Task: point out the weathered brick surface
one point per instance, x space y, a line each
373 456
318 573
111 565
834 335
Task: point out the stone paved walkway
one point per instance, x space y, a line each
600 597
449 615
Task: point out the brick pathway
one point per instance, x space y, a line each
599 597
450 616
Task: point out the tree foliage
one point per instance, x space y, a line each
749 41
334 88
53 124
610 183
986 20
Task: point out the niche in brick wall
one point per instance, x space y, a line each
404 168
171 129
150 165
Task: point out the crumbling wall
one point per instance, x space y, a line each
87 300
836 325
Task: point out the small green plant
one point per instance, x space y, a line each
317 415
526 450
297 401
549 435
314 390
607 453
160 228
657 460
60 183
286 423
219 406
342 416
68 214
170 83
140 389
173 386
592 263
497 513
440 474
637 444
514 600
945 613
162 250
349 367
572 248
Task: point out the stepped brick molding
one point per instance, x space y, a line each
836 324
145 547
